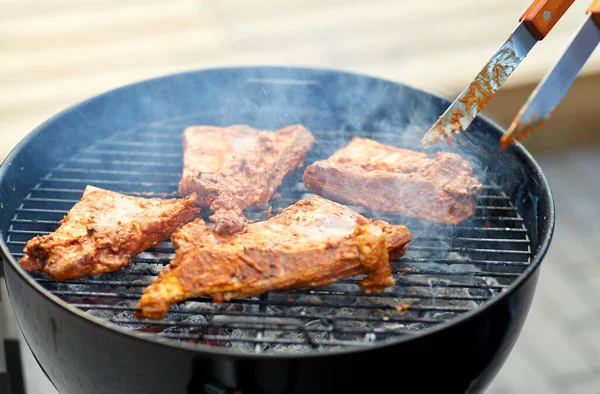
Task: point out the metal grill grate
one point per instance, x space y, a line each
447 271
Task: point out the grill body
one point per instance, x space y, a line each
81 356
84 354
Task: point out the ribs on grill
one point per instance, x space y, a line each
389 179
104 231
311 243
233 168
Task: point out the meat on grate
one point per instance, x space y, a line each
104 231
236 167
390 179
311 243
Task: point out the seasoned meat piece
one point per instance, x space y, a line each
104 231
233 168
389 179
311 243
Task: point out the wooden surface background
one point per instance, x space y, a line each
54 53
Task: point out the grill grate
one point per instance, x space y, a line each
447 271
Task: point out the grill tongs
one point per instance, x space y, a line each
557 81
536 23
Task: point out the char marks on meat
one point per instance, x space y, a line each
389 179
233 168
104 231
311 243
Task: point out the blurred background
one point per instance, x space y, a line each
55 53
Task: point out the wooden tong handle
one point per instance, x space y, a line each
594 10
542 15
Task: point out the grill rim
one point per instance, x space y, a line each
547 232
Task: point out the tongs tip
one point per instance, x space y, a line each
519 130
439 132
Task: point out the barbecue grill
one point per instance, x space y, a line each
462 292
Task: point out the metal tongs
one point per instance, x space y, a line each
555 84
535 24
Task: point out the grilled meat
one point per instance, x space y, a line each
389 179
233 168
104 231
311 243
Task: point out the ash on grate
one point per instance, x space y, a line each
189 324
294 339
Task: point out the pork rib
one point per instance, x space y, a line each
104 231
390 179
311 243
233 168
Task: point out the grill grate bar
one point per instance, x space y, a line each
223 338
156 260
151 172
260 333
93 282
34 221
471 239
96 294
417 260
396 296
63 211
415 241
504 240
498 218
496 208
114 172
110 182
491 187
279 326
161 250
464 261
315 291
160 136
138 144
415 247
45 200
55 190
134 153
492 197
24 232
124 162
493 229
409 283
406 271
466 250
305 316
136 296
483 274
80 191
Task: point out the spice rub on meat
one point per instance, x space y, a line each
236 167
311 243
389 179
104 231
